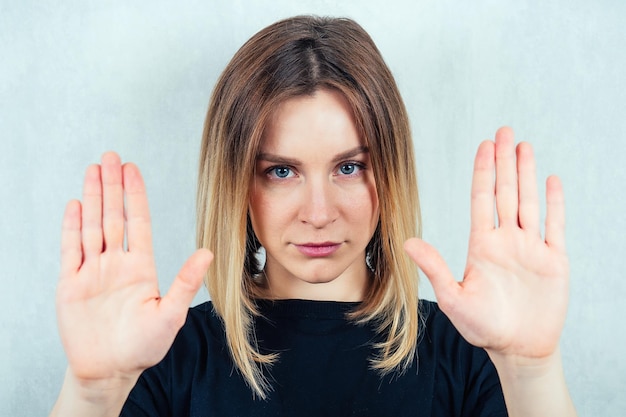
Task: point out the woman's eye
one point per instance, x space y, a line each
350 168
280 172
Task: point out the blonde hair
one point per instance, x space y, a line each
290 58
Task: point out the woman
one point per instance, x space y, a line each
307 154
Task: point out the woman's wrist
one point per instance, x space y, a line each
96 397
512 366
534 386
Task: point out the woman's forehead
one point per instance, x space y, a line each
323 119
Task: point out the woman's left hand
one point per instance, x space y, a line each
513 297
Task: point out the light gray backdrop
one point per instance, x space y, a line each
78 78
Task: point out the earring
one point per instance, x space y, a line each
261 257
368 262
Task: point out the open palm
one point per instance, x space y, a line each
112 319
513 296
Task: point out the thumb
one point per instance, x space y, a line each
186 283
436 270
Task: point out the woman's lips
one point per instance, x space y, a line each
318 250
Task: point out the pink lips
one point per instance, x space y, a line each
318 250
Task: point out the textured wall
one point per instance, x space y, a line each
78 78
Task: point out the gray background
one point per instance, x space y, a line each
78 78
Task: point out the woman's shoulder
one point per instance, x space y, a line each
201 337
434 321
471 380
202 323
439 341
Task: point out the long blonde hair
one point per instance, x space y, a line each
290 58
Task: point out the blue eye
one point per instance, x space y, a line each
280 172
350 168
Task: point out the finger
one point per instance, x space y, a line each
71 251
137 211
482 216
506 178
528 194
555 214
92 212
434 267
113 201
185 286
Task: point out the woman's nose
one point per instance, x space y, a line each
318 207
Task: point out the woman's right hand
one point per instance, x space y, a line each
112 319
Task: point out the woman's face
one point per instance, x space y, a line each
313 205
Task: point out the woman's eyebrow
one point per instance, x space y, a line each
278 159
351 153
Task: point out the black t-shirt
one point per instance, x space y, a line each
323 369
